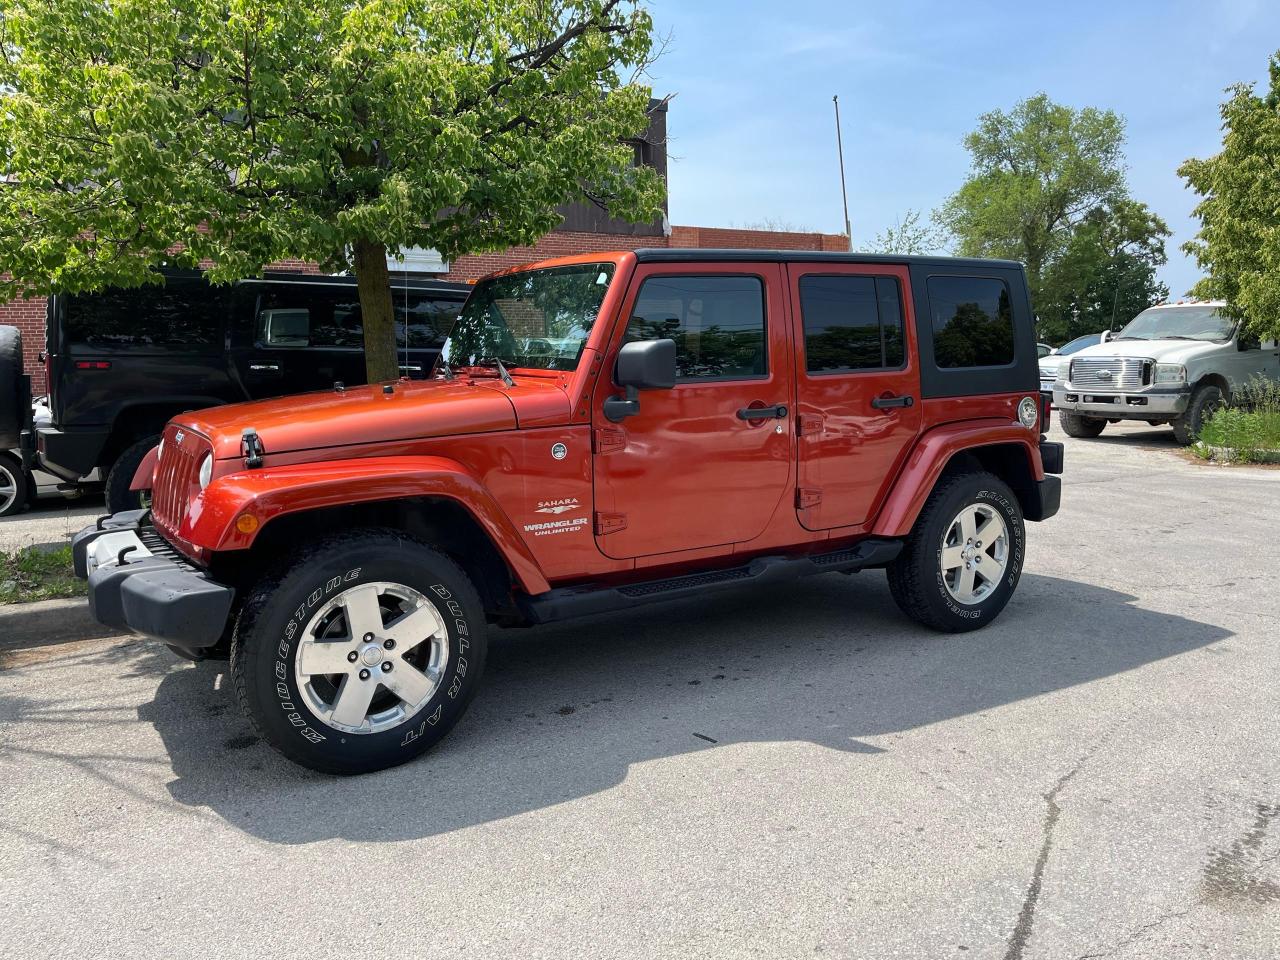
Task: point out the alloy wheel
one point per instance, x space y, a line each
975 553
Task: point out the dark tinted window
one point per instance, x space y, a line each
179 316
716 322
297 315
851 323
972 321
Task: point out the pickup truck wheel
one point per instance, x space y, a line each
14 485
963 558
119 496
360 653
1074 425
1200 408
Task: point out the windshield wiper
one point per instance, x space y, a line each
502 369
1170 336
1130 338
444 365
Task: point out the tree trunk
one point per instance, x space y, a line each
374 283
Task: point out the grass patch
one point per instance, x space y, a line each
1246 429
34 574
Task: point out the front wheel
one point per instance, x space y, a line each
963 558
1074 425
360 653
1201 406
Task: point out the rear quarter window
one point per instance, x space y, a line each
972 321
181 316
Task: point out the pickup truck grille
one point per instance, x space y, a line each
1109 373
177 477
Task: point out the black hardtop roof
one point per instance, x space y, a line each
398 279
707 254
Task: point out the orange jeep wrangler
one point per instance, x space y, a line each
601 432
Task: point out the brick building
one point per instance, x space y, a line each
585 229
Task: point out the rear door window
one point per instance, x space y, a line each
182 316
851 323
972 319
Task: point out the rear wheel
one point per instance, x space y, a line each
1074 425
963 558
14 485
360 653
120 476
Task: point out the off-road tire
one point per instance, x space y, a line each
1205 399
270 627
15 485
15 405
119 496
1074 425
916 578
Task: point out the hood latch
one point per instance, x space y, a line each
251 448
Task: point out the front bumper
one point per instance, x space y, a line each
1151 403
138 582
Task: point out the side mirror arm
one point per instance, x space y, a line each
617 409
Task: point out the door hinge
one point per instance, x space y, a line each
605 440
809 424
807 497
607 523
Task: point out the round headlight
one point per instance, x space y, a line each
206 470
1028 412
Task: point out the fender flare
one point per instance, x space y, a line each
929 457
272 492
144 477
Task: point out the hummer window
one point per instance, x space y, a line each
539 319
972 321
851 323
716 322
179 315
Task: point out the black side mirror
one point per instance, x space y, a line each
642 365
1248 344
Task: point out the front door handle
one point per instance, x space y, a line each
778 412
887 403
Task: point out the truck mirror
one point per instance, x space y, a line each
647 365
642 365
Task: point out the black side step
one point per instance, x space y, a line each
565 602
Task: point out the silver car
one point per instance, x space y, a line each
1174 363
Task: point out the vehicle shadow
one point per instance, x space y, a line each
566 710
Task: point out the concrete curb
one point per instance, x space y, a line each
48 622
1231 455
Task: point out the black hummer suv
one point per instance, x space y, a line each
121 363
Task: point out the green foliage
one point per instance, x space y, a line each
34 574
1047 188
231 133
1247 428
1239 239
910 236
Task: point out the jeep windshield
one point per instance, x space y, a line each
538 319
1179 323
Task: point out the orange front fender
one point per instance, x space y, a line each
929 458
214 521
144 476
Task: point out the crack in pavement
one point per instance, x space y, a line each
1138 933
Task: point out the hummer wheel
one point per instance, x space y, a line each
963 558
1074 425
360 653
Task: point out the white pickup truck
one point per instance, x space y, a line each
1174 363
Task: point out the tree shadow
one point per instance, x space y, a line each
566 710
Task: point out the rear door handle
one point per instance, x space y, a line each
778 412
887 403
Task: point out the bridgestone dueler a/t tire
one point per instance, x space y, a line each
1074 425
13 398
915 577
275 614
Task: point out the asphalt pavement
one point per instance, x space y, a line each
797 772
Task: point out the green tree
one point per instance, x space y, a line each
1047 188
231 133
909 236
1239 239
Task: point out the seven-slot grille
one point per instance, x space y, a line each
177 476
1109 373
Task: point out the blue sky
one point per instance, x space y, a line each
752 132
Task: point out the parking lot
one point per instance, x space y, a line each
794 773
